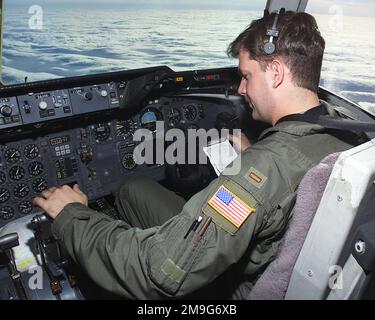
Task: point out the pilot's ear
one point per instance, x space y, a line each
277 72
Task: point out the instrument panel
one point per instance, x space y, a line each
81 130
97 156
39 107
85 130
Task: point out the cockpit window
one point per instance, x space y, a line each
59 38
48 39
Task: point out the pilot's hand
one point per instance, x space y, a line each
53 200
240 142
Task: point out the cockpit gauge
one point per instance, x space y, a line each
6 213
149 117
31 151
125 128
21 190
25 207
2 177
36 168
4 195
128 161
173 116
16 173
102 131
190 112
12 155
39 185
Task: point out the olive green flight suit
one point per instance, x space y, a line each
144 203
158 262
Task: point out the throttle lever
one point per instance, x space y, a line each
7 243
36 223
39 219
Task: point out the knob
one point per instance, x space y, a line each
27 108
39 220
87 96
43 105
6 111
104 93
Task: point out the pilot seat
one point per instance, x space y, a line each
328 251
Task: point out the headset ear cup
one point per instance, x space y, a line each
269 48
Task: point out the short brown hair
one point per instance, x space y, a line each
299 44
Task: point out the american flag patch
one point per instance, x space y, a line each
230 206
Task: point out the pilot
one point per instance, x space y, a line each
218 242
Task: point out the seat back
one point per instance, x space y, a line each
328 251
274 281
333 257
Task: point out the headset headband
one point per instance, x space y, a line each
269 47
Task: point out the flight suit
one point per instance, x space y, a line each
246 216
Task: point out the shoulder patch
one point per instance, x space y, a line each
228 207
256 178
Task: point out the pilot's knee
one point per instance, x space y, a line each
133 185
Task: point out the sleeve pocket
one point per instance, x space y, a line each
171 257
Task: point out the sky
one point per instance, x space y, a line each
349 7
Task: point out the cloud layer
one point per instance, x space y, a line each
75 43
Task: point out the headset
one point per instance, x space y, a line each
269 47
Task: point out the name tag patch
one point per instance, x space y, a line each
256 178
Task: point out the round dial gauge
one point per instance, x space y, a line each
36 168
128 161
149 117
39 185
190 112
125 128
102 131
173 116
6 213
4 195
12 155
31 151
2 177
21 190
16 173
25 207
